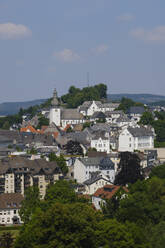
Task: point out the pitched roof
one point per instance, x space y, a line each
92 154
110 105
87 104
104 163
99 115
52 128
21 165
115 112
101 126
10 200
28 129
108 191
123 118
71 114
95 179
140 131
100 134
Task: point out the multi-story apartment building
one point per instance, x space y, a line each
17 174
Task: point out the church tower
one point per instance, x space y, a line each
55 112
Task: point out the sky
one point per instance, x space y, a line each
47 44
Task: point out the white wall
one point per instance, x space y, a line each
91 189
98 202
55 116
83 173
126 141
101 145
79 171
6 215
92 109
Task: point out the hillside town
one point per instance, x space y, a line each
80 144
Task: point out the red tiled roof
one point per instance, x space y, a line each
28 129
108 191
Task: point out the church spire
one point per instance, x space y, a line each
54 101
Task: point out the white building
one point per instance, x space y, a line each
83 167
101 142
138 138
95 182
88 108
10 205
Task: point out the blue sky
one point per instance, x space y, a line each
54 43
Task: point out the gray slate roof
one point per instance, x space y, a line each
71 114
99 115
140 131
104 163
123 118
22 165
81 137
94 179
100 134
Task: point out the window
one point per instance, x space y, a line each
8 212
8 219
15 211
3 220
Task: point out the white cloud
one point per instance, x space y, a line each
156 34
100 49
13 31
125 18
67 55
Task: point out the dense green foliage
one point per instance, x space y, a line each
6 240
60 162
147 118
42 121
8 121
130 169
73 148
29 204
158 124
76 96
135 219
62 192
126 103
158 171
